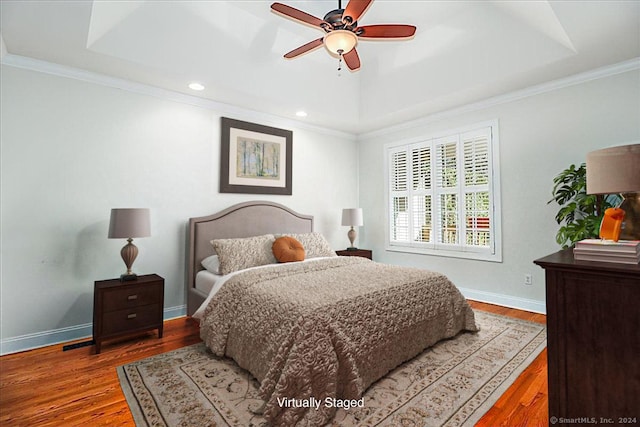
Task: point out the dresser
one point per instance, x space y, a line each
122 308
365 253
593 322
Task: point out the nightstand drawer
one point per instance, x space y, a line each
130 319
130 296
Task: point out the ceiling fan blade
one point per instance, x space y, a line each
352 60
304 48
355 9
386 31
298 15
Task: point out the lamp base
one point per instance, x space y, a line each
129 253
352 238
631 206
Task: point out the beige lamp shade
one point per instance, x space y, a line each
614 170
129 222
352 217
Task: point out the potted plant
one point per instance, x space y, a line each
580 213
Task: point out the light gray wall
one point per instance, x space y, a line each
72 150
540 135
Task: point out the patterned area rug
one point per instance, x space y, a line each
453 383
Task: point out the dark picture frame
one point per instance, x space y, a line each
255 159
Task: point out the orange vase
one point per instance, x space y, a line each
611 224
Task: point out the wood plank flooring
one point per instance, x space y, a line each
525 403
49 387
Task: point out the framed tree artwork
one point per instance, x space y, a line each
254 158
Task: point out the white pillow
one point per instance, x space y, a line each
211 264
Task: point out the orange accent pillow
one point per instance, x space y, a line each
288 249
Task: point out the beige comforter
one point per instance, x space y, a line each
329 328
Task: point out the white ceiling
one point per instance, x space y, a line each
463 52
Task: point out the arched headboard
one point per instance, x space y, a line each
242 220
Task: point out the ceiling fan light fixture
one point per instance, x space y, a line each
340 42
342 32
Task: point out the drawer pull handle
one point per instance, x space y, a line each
132 297
132 316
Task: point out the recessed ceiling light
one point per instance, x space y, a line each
301 113
196 86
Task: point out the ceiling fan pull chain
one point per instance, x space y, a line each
340 61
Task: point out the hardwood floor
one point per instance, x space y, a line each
525 403
49 387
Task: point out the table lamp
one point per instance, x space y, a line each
126 224
352 217
616 170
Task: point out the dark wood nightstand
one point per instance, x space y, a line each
122 308
364 253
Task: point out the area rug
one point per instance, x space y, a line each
453 383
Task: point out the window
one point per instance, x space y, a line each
443 195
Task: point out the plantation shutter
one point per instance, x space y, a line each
447 190
442 196
476 190
421 210
399 196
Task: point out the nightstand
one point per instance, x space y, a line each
364 253
122 308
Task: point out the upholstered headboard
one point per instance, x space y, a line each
241 220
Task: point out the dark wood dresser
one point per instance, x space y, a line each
365 253
593 322
122 308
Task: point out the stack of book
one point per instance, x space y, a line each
622 251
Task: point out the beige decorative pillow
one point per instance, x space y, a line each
238 254
315 244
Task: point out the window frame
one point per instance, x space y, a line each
461 249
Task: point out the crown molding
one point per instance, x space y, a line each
550 86
265 118
221 108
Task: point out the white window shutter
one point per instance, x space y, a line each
398 194
442 195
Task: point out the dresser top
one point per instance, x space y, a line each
564 260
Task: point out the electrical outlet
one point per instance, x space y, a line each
528 280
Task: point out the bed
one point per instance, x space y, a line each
247 219
315 333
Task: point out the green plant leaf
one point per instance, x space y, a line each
579 213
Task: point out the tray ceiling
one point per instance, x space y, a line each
463 52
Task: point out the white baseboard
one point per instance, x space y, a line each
71 333
505 300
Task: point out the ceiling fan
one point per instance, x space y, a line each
342 30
